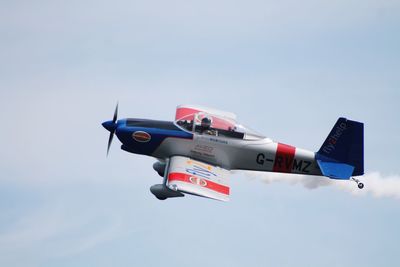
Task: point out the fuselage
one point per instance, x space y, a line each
164 139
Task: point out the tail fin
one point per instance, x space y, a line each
342 154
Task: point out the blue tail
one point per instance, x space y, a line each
342 154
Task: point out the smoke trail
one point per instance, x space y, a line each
375 184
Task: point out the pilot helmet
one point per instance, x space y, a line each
206 123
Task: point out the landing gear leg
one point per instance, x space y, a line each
359 184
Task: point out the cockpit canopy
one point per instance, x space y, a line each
212 122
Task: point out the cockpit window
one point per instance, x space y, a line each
208 124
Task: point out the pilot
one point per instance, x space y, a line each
206 126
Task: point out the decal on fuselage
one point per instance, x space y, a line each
141 136
212 139
203 150
301 165
284 163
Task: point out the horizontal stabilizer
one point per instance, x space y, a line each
336 170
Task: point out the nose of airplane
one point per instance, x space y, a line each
110 126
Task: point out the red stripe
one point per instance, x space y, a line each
177 176
284 158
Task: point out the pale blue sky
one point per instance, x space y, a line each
287 69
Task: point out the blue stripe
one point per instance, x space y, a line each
157 137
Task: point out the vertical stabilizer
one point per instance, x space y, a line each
342 154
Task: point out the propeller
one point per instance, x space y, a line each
111 126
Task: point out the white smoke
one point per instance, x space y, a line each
375 184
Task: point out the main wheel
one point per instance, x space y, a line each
360 185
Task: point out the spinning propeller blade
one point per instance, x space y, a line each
115 114
110 141
111 126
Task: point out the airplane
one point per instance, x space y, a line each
196 152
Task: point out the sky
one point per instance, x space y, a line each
288 69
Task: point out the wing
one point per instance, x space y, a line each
198 178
